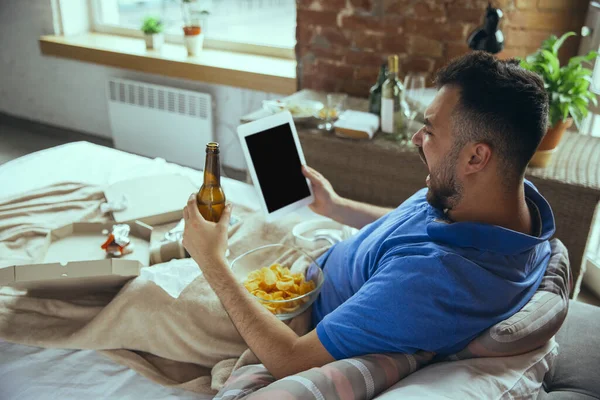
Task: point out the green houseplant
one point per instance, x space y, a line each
153 32
567 87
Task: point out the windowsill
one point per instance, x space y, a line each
267 74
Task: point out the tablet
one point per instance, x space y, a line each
274 158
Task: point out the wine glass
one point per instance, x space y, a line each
335 105
414 92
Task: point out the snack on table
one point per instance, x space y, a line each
300 109
278 283
118 243
325 113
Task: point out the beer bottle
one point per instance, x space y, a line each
211 199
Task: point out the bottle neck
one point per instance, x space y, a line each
392 75
212 170
382 76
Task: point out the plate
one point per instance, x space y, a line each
300 109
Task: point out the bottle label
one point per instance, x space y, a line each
387 115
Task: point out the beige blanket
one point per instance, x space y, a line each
187 341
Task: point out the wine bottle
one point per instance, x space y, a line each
393 106
375 92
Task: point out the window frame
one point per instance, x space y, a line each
96 10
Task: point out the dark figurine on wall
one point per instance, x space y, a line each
488 37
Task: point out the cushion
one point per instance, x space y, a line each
522 348
493 378
538 321
353 378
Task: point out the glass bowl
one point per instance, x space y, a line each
287 256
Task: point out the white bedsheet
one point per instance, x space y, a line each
97 165
30 373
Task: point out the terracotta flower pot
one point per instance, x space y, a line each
549 143
192 30
554 134
194 39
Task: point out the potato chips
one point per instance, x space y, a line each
278 283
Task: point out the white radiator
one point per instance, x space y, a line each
159 121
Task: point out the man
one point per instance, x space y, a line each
454 259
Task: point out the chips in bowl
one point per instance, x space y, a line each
284 279
278 283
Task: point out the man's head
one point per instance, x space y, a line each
483 126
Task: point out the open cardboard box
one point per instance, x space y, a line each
72 260
153 200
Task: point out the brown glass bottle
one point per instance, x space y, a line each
210 197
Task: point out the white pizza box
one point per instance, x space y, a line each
153 200
72 259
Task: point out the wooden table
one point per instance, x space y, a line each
386 173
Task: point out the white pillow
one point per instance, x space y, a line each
478 378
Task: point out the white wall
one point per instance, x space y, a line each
71 94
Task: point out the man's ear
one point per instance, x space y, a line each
478 156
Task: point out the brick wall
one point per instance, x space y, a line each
342 43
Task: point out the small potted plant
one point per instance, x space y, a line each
153 28
568 89
194 20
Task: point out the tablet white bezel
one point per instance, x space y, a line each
261 125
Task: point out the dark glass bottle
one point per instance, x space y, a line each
211 198
375 92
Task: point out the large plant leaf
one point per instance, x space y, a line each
578 114
552 63
548 44
532 59
558 43
564 98
583 85
564 108
581 102
525 64
583 59
592 97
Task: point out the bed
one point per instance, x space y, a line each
35 373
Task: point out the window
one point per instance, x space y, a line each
266 27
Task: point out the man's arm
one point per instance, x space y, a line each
356 214
279 348
345 211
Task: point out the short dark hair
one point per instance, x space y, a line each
501 104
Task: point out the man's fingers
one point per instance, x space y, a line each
191 199
226 216
313 176
315 172
306 171
192 207
186 215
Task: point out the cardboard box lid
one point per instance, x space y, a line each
153 200
72 259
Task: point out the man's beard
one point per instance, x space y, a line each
445 191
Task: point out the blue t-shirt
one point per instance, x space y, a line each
412 280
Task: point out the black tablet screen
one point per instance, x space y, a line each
277 164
